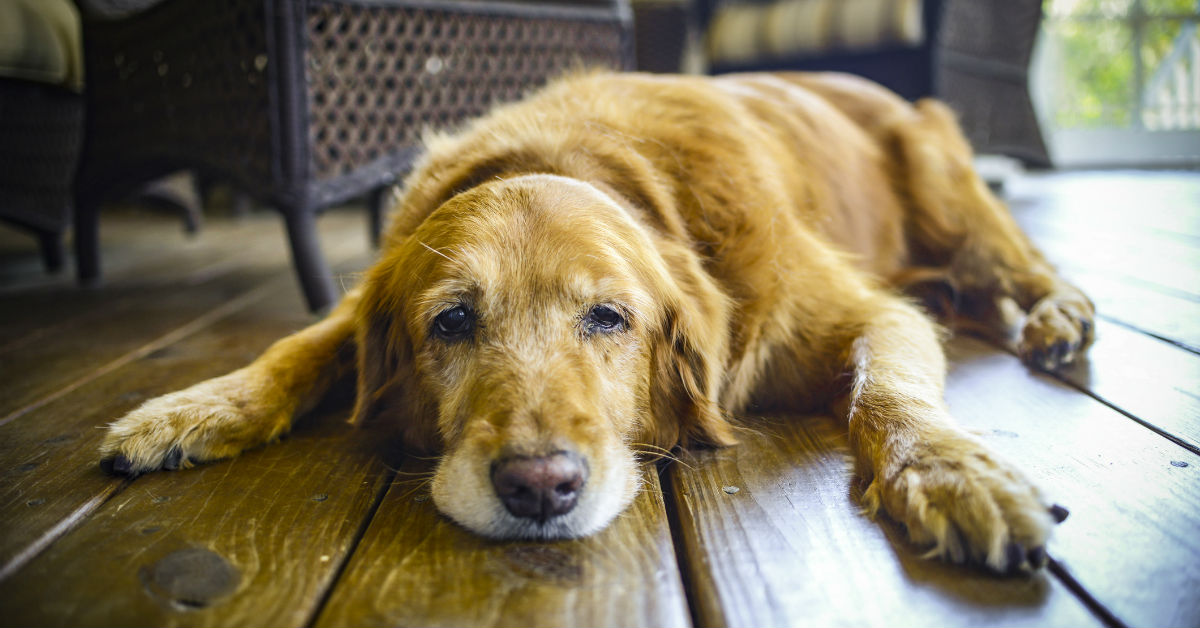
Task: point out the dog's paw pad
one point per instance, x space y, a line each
970 508
1057 332
214 419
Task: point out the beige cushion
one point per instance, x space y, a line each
744 32
40 41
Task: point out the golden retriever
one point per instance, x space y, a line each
625 261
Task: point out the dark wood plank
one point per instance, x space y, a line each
280 520
416 568
774 536
1155 381
50 455
144 253
1133 537
49 452
251 541
144 319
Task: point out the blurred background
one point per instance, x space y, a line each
1118 81
199 106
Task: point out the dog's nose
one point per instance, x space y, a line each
540 487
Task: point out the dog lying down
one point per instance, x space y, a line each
624 261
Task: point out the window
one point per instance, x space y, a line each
1118 81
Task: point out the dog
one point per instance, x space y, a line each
624 262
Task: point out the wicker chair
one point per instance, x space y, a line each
307 103
975 57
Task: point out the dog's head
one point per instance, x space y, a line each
538 337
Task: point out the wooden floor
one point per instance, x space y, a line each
317 530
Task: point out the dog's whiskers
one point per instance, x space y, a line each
417 474
657 453
422 485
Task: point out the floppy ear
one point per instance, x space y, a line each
387 392
690 354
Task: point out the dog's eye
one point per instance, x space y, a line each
603 319
454 323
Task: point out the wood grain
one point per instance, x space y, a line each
50 455
1134 532
774 536
144 255
1154 261
255 540
118 331
417 568
1113 202
1155 381
1166 315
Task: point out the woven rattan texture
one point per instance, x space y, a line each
997 116
41 128
379 75
1000 31
187 83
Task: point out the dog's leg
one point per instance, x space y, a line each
225 415
956 221
947 488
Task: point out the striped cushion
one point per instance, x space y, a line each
789 28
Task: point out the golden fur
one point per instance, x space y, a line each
639 257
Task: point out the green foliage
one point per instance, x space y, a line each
1097 79
1096 74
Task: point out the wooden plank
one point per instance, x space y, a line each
774 536
1171 317
274 525
1155 381
251 541
147 259
122 329
1133 537
1128 202
50 455
1155 264
416 568
49 452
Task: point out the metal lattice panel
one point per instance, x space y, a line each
378 75
1000 31
198 96
40 132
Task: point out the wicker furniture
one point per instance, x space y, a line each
41 119
41 128
974 56
309 103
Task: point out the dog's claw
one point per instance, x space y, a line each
173 458
1061 350
1037 557
118 465
1059 513
1014 558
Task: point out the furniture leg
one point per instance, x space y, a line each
316 278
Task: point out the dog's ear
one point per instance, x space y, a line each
387 393
690 353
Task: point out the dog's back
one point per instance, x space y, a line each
699 154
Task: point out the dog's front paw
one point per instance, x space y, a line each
968 505
214 419
1057 331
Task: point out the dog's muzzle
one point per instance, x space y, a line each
540 487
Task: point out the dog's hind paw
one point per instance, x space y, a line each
1058 330
968 506
214 419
